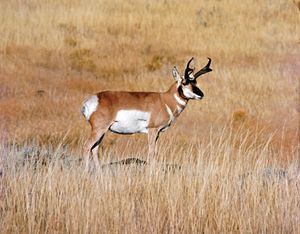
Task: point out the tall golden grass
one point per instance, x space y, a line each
224 185
229 164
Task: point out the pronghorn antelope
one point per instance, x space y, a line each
139 112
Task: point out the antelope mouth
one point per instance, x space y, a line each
199 97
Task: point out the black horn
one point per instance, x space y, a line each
188 70
204 69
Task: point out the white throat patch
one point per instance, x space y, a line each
179 100
172 117
179 109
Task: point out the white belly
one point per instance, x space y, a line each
131 121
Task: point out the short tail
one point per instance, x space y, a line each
89 106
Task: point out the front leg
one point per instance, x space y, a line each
153 135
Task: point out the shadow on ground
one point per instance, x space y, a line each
140 163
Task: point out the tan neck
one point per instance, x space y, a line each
173 99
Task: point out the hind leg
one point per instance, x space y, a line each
92 146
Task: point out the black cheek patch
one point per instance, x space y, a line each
197 91
180 91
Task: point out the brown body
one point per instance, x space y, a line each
110 102
138 112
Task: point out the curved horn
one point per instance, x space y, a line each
204 69
188 69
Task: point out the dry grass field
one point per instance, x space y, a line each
230 163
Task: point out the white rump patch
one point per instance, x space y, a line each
89 106
131 121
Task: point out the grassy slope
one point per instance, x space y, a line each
54 53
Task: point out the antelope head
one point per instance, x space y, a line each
187 84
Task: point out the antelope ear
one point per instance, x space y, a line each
176 74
